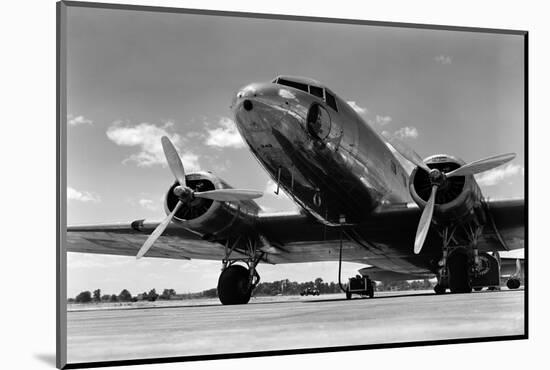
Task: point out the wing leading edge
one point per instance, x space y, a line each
297 237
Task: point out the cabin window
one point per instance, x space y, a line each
331 101
296 85
316 91
318 122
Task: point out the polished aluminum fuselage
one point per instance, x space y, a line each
340 178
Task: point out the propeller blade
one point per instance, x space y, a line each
229 195
482 165
174 160
406 151
425 222
518 267
157 232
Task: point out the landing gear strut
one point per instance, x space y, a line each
460 264
236 282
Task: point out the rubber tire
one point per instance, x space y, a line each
478 289
370 291
233 285
459 280
439 289
513 283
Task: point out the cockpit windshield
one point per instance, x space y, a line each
296 85
311 89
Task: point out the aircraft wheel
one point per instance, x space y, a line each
478 289
233 285
459 279
513 283
439 289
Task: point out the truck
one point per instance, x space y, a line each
308 291
360 285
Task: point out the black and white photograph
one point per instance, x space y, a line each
241 184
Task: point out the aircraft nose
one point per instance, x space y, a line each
245 95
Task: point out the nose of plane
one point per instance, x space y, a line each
245 96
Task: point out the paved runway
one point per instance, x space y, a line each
293 323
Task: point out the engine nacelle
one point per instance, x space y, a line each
213 220
457 199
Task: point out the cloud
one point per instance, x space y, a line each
148 204
81 196
146 137
499 174
78 120
383 120
407 132
443 59
225 135
357 108
270 188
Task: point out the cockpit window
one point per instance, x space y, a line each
331 101
313 90
296 85
316 91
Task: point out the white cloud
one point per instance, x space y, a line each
357 108
407 132
81 196
148 204
270 188
225 136
147 136
383 120
499 174
443 59
78 120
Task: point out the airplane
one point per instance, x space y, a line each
357 202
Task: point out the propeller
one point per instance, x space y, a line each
406 151
437 178
187 194
158 231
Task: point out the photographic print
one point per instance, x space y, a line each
248 184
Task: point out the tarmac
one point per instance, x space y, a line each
281 323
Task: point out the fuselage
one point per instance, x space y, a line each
318 149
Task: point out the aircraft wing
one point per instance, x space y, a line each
125 239
296 237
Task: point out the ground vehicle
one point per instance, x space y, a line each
310 291
361 285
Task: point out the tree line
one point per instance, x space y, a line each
123 296
280 287
287 287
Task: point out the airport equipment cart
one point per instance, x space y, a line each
361 285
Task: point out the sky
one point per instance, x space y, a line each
135 76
